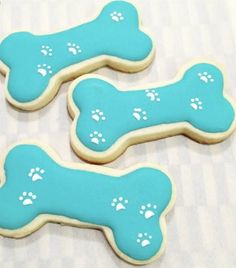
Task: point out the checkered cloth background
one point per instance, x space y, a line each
202 226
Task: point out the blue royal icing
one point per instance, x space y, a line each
107 114
34 60
130 205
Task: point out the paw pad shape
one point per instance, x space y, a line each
36 174
27 198
119 203
152 95
117 16
44 69
205 77
46 50
74 48
139 114
148 211
144 239
196 104
97 137
98 115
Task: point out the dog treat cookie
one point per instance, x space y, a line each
107 120
129 206
37 65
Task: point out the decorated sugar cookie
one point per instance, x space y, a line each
128 206
36 65
107 120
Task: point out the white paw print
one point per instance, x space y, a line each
117 16
152 95
98 115
36 173
44 69
74 48
144 239
148 211
205 77
97 137
119 203
196 104
46 50
139 114
27 198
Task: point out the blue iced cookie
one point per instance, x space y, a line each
37 65
128 206
107 120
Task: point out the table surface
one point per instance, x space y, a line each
201 228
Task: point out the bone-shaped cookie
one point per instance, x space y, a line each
129 206
37 65
107 120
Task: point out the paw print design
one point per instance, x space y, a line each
117 16
36 173
44 69
74 48
144 239
119 203
139 114
148 211
46 50
27 198
98 115
196 104
152 95
205 77
97 137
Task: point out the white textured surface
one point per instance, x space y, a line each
202 227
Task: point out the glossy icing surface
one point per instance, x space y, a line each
106 113
130 205
34 60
